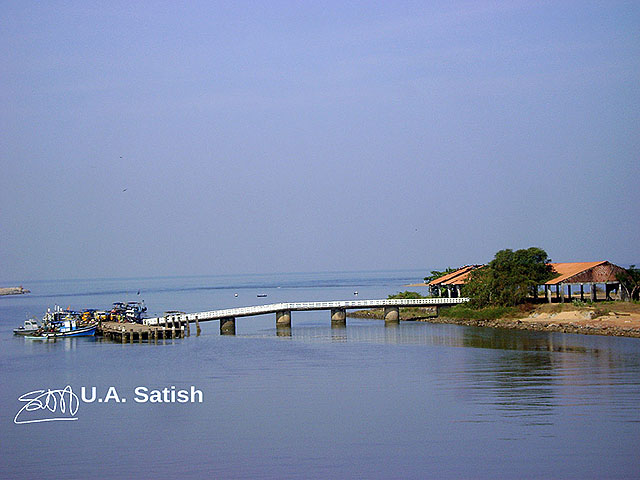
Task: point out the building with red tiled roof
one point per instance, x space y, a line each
451 283
579 274
573 275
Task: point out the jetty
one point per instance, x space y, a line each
131 332
227 317
14 290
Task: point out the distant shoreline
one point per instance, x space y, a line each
13 291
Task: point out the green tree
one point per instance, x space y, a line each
630 282
406 294
509 278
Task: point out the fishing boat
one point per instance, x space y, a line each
30 327
63 323
87 331
135 311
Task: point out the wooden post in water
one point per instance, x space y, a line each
188 328
197 327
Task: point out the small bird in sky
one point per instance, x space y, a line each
124 189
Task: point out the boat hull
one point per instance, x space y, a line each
79 332
24 331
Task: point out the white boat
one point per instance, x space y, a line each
30 326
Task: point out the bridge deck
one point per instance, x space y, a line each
302 306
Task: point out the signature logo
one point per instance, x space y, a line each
53 405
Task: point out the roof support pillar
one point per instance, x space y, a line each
607 289
582 292
593 292
569 292
547 293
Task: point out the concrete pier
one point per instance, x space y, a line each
392 314
228 326
134 332
283 318
338 317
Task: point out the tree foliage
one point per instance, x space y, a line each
509 278
406 294
630 282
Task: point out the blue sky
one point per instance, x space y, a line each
170 138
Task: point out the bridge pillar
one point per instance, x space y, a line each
228 326
338 317
392 314
283 318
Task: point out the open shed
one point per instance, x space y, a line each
578 275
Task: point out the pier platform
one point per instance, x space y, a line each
135 332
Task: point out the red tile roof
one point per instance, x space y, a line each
454 278
568 270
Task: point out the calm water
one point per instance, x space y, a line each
368 401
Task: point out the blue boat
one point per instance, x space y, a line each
63 323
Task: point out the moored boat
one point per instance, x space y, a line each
87 331
64 323
30 327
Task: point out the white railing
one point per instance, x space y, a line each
300 306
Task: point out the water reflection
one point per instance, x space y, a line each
419 333
283 331
528 379
338 332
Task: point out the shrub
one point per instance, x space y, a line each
406 294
